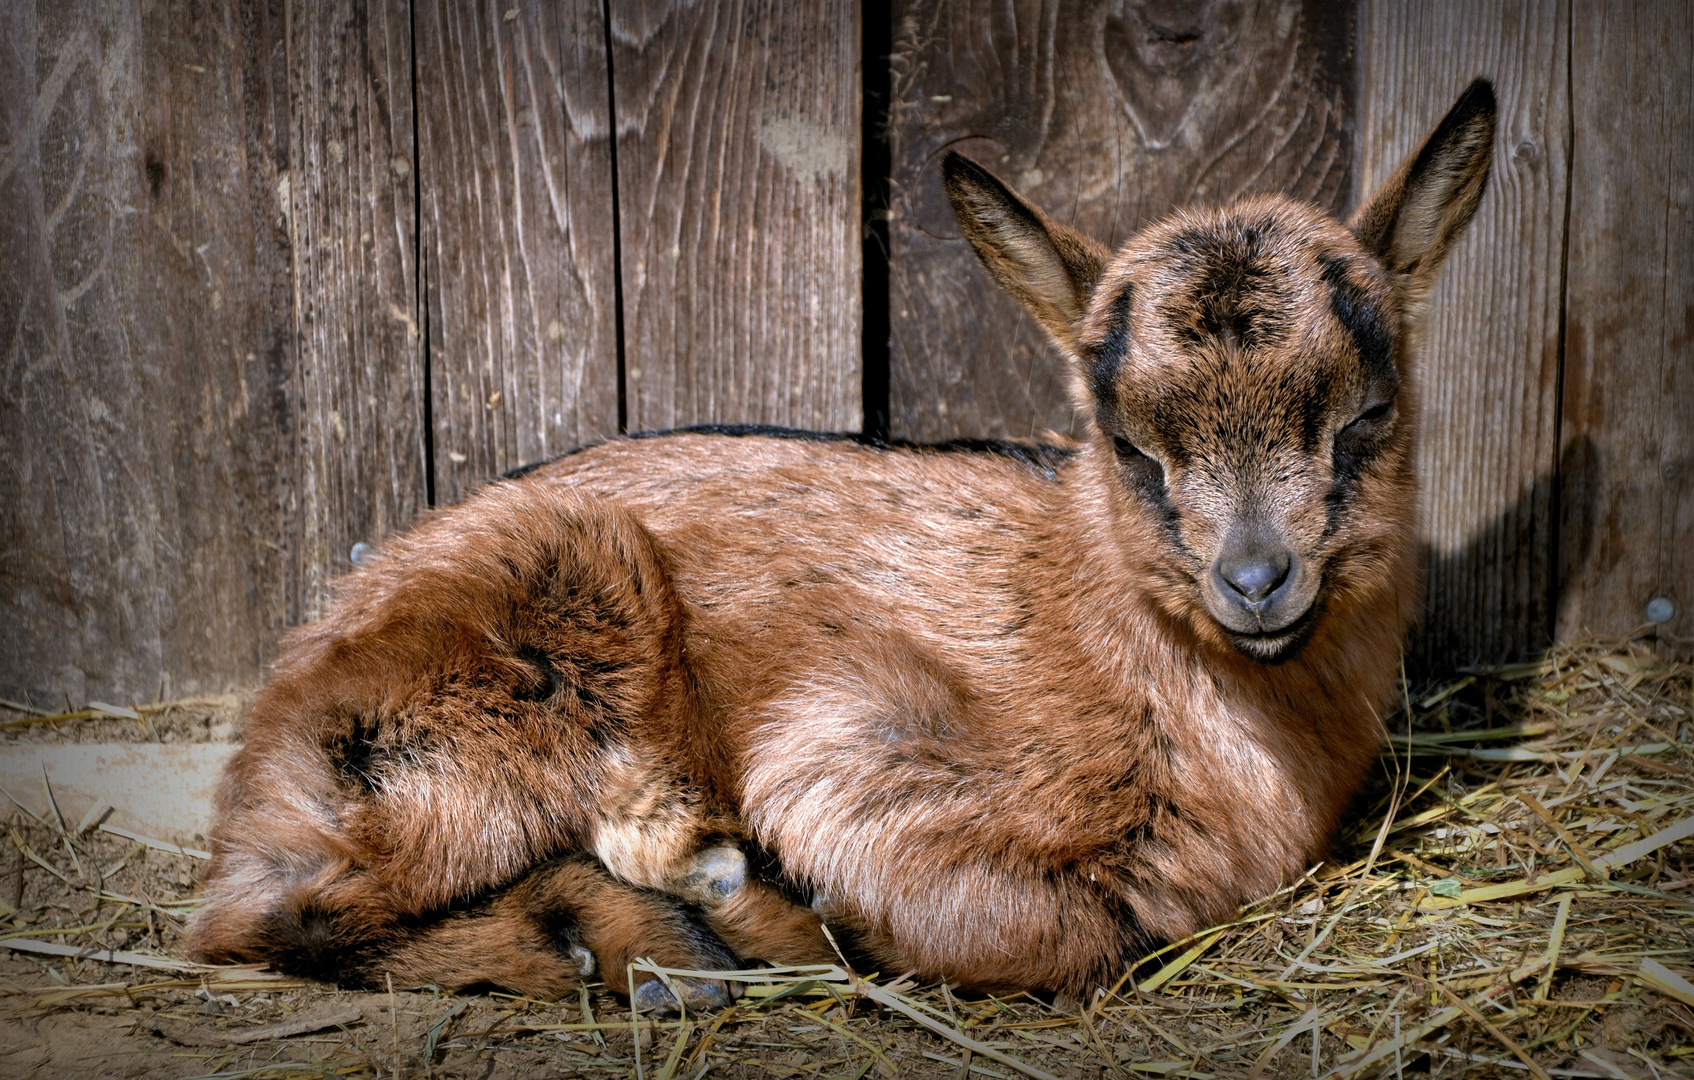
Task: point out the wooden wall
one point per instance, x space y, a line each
1489 347
277 275
1108 115
1627 430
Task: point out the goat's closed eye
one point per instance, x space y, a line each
1140 470
1126 450
1366 419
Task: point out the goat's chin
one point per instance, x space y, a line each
1274 646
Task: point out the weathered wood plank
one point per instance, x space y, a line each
358 387
1107 116
738 176
1627 521
145 342
515 173
1488 344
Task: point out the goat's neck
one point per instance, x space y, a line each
1330 698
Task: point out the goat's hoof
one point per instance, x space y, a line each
713 875
698 996
583 959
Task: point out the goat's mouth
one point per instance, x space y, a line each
1275 646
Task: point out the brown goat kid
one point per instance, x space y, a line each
1002 714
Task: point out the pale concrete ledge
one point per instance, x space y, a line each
162 790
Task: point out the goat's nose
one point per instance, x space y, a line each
1255 574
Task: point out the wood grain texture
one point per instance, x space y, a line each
1107 114
1488 343
515 174
1627 526
358 385
144 347
738 176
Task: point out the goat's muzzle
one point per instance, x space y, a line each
1262 595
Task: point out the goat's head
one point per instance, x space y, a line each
1245 374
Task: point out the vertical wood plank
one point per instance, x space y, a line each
145 347
738 174
515 171
1627 521
1107 114
358 388
1488 343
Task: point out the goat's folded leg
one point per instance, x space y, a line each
564 921
503 686
990 923
1000 923
753 915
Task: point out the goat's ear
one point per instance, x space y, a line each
1051 269
1416 215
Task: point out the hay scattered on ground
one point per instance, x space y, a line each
189 720
1513 898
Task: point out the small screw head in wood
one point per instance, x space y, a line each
1660 610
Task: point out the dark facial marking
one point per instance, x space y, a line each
1107 355
1315 404
1373 339
1340 497
1233 292
1355 445
1373 336
1146 478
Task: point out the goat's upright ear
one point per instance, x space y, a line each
1413 219
1051 269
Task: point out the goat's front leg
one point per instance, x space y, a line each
984 921
753 915
935 854
990 922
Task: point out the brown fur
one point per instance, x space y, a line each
998 715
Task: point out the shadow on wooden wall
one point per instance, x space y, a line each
270 286
1514 613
